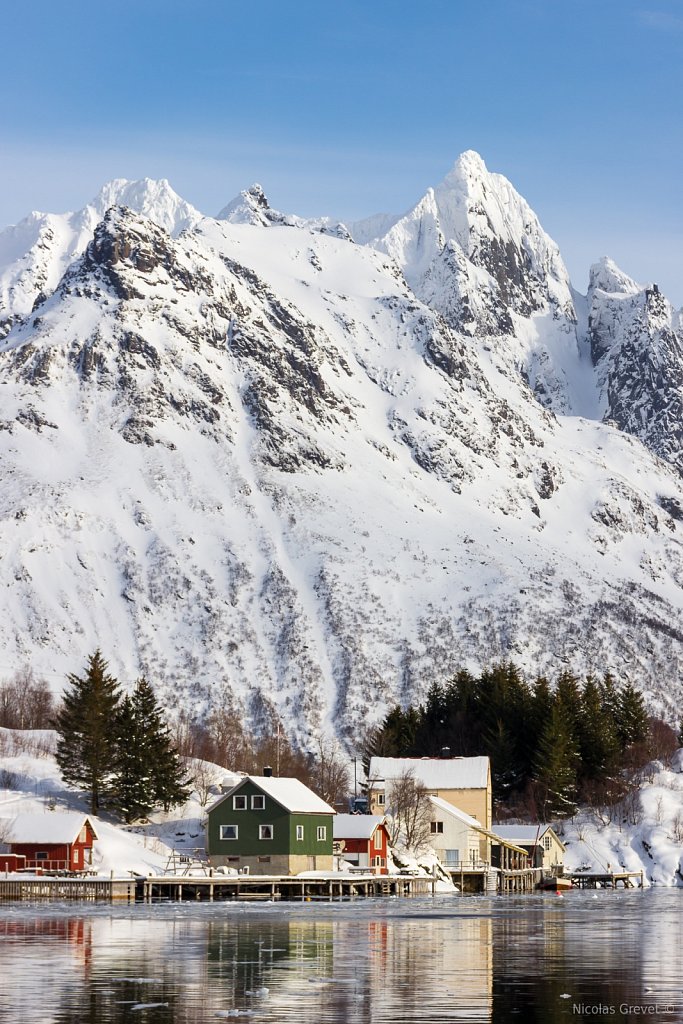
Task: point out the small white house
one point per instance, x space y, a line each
544 846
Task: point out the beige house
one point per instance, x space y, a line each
461 842
463 782
545 848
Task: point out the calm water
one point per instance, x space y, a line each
536 958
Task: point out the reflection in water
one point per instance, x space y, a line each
399 961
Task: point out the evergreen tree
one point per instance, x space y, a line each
632 719
597 738
86 747
148 769
555 766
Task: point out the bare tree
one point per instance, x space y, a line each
204 777
408 809
329 774
26 702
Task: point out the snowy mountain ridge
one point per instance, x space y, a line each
270 466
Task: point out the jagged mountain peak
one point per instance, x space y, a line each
251 206
608 277
152 198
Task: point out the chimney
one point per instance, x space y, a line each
267 772
445 751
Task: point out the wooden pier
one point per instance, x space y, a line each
18 888
495 881
215 888
212 888
606 880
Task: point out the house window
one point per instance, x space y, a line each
452 857
322 833
258 803
265 831
41 854
228 831
239 803
263 860
380 798
377 840
436 827
299 832
233 860
547 842
83 835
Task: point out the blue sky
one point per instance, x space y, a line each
355 108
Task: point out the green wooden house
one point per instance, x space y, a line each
270 826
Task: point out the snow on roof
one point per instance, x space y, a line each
455 812
51 827
289 793
356 826
522 833
432 772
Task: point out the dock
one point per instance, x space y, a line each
606 879
212 888
483 878
36 887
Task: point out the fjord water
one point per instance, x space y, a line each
545 958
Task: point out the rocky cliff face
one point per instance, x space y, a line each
271 467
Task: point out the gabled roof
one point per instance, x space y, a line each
289 793
445 808
528 834
356 826
432 772
51 827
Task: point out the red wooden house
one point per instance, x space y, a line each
53 841
362 840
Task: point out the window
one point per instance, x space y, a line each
452 857
547 842
265 831
228 831
299 832
239 803
41 854
263 860
322 833
380 798
258 803
377 842
436 827
233 860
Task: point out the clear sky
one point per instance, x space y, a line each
353 108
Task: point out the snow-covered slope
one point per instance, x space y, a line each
268 466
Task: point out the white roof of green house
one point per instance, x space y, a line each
356 826
289 793
528 834
432 772
53 827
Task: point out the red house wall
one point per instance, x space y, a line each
60 856
11 862
368 846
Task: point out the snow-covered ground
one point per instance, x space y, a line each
30 783
645 833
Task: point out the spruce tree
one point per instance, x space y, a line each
598 742
632 720
555 765
148 770
86 747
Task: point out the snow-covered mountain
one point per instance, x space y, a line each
277 468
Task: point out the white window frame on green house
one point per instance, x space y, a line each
239 803
322 833
299 833
258 802
266 831
223 832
